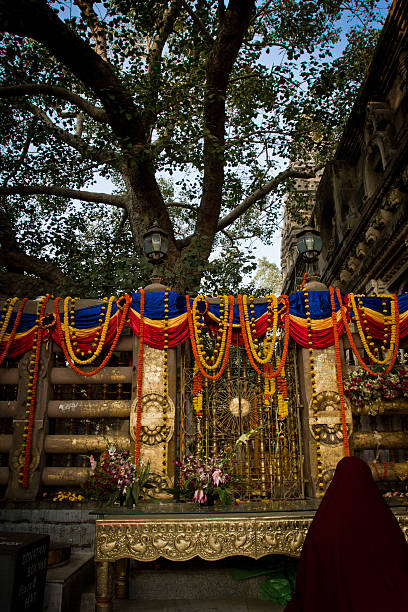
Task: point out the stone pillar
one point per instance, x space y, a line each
153 447
16 456
328 415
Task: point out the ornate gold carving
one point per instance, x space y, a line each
209 538
329 418
103 592
152 419
121 583
17 459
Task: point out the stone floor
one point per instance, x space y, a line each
185 605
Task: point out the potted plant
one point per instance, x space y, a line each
115 478
208 478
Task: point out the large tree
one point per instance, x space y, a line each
188 108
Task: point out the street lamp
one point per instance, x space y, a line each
155 246
309 245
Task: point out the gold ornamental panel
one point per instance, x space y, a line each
211 539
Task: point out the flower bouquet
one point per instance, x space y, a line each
208 478
114 478
364 389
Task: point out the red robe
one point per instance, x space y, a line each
355 557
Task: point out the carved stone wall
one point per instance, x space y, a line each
327 417
361 205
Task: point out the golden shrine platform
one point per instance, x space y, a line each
181 531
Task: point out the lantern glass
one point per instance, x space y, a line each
309 244
155 244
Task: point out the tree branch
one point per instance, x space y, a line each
263 191
65 192
17 261
20 160
218 69
70 139
181 205
164 29
198 21
97 28
99 114
35 19
24 285
254 197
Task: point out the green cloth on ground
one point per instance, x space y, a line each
280 584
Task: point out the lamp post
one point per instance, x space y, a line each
309 246
155 246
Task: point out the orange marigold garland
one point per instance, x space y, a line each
102 331
250 328
314 394
197 391
13 331
31 394
222 352
139 377
339 374
394 341
243 317
369 341
124 310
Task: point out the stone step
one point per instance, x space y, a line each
195 579
185 605
66 582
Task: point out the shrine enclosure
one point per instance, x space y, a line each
167 376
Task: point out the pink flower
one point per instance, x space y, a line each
216 476
93 463
199 496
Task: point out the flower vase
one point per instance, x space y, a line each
210 501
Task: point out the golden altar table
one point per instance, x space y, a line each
179 532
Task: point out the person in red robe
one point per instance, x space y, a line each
355 556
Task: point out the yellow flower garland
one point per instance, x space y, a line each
314 395
10 307
165 382
68 329
363 339
269 344
221 341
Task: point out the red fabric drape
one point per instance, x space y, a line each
355 557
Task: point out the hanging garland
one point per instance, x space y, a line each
314 394
213 361
269 344
13 331
31 394
243 317
124 310
165 382
282 392
269 384
223 339
6 314
394 341
339 375
197 391
101 331
139 377
370 342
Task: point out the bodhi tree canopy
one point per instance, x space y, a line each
189 109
